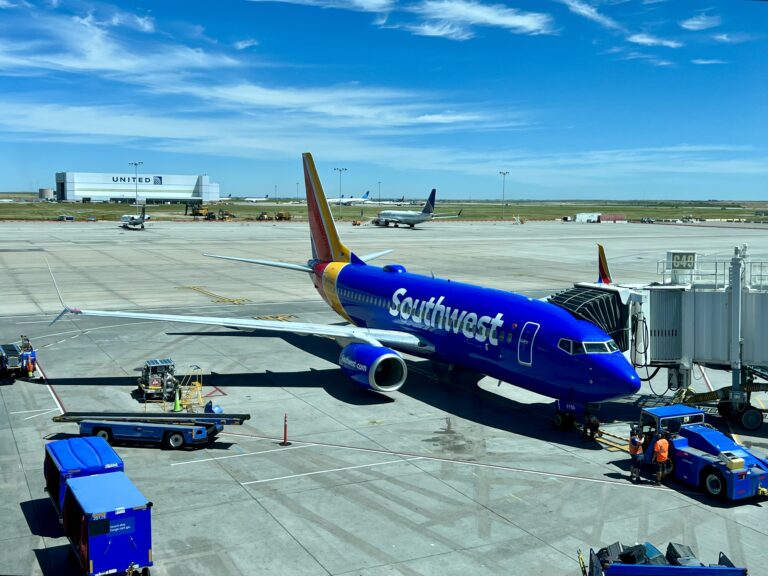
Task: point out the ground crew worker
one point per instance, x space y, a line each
636 453
661 456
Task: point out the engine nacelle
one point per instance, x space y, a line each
373 367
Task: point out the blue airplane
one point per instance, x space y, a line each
526 342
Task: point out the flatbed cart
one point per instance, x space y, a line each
647 560
173 430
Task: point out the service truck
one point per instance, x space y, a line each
107 521
702 456
65 459
105 517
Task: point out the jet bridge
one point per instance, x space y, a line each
609 307
712 313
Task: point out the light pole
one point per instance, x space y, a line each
297 192
503 182
379 192
340 171
136 181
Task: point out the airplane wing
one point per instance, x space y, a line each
444 216
345 334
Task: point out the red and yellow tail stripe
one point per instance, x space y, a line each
604 274
326 245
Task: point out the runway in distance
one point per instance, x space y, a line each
350 200
135 221
412 217
529 343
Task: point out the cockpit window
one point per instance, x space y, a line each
595 347
572 347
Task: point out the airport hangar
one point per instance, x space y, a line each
151 188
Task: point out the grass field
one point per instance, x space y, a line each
527 210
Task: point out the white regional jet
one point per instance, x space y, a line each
348 201
411 217
257 199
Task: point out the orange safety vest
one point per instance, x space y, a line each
661 450
636 449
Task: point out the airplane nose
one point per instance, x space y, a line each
624 378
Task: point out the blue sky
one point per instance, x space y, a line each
622 99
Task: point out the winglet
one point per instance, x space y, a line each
67 309
603 273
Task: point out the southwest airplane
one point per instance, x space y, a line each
349 200
412 217
529 343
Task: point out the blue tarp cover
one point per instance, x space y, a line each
106 492
86 454
674 410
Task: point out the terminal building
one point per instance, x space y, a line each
150 188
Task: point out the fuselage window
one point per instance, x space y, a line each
578 348
612 346
509 337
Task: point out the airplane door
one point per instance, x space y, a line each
525 344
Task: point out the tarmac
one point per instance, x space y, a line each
437 478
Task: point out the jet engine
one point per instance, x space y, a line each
373 367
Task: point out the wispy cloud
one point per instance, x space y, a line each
590 13
441 29
248 43
86 44
700 22
650 40
731 38
354 5
456 16
703 62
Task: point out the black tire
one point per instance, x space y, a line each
713 483
561 420
104 433
751 418
725 409
174 440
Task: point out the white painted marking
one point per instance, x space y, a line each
35 322
329 471
50 389
244 454
28 411
41 414
477 465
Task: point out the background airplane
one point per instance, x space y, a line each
135 221
412 217
349 200
257 198
530 343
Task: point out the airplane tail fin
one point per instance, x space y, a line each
429 206
603 272
365 196
326 245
